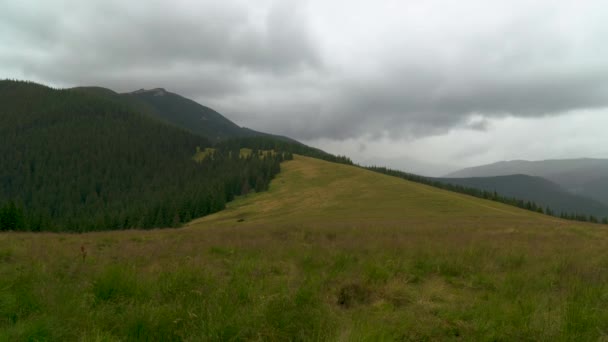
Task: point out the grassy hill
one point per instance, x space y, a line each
330 252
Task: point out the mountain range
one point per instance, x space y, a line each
580 184
89 157
536 189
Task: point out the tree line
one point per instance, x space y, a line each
117 203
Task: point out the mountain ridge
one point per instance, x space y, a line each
181 111
536 189
585 177
490 169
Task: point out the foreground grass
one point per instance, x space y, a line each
330 252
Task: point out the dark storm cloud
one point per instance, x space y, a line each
320 69
417 104
127 46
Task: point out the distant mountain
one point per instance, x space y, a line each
188 114
191 115
535 189
181 112
585 177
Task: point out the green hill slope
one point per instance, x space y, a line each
342 194
330 252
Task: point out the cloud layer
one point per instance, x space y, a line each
333 70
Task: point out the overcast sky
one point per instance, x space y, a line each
426 86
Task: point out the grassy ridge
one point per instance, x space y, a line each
330 252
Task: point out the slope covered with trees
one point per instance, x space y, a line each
191 115
188 114
181 112
77 161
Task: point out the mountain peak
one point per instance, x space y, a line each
155 91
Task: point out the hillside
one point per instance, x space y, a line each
535 189
329 252
80 161
190 115
186 114
181 112
332 195
585 177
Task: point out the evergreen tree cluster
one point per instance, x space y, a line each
490 195
71 161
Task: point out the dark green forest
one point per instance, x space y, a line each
72 161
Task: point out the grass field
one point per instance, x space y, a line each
330 252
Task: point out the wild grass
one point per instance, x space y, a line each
330 252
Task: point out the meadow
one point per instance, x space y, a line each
329 252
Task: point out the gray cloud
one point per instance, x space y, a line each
317 69
125 46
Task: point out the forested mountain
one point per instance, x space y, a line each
181 112
585 177
188 114
536 189
185 113
82 160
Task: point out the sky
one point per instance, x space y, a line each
423 86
